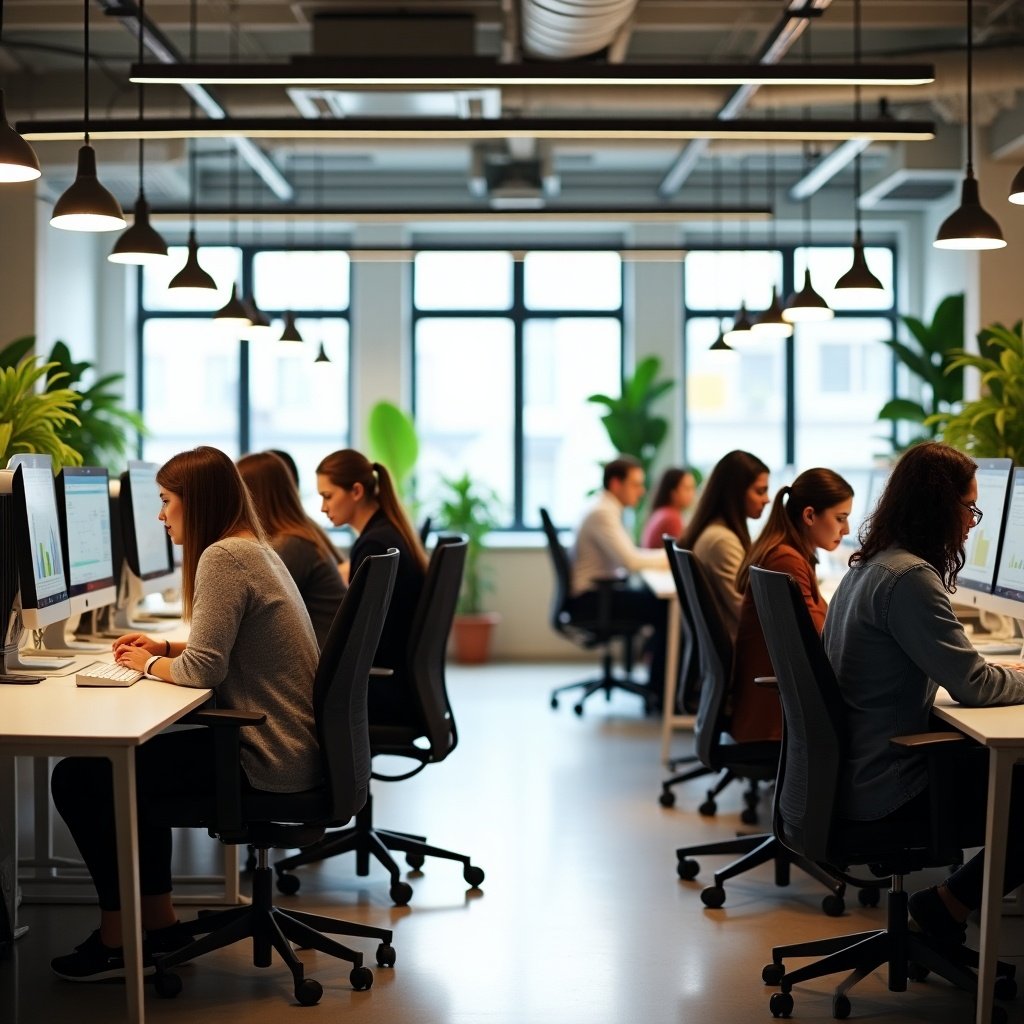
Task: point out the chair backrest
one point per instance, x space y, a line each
814 742
340 685
560 563
428 642
425 530
714 650
687 697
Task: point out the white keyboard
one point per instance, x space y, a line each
998 647
108 675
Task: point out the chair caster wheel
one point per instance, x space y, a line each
667 798
687 869
916 971
748 816
772 974
1005 988
833 905
781 1004
288 885
840 1007
308 992
385 955
712 897
578 708
401 893
361 978
709 808
166 984
868 897
415 860
473 876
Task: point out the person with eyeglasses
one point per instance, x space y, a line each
892 639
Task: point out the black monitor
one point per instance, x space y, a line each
1009 584
982 549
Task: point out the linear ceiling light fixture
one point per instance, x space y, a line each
86 205
486 73
456 129
970 226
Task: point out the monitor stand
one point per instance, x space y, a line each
15 660
55 639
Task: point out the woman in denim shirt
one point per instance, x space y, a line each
893 640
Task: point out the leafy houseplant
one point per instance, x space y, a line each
930 359
36 421
991 426
470 509
393 442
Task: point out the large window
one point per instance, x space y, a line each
810 400
200 383
506 353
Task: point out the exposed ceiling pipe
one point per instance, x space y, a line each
789 29
564 29
165 51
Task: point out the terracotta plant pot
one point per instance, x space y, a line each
471 637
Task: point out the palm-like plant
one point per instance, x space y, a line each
32 420
469 508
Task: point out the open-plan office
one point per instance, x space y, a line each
486 212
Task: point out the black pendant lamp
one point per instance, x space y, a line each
321 356
234 314
721 343
18 160
741 323
1017 188
291 330
141 244
970 226
86 205
771 323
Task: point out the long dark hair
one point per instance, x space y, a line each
347 467
818 489
272 489
920 510
725 497
667 484
215 504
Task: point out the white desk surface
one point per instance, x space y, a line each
994 727
660 581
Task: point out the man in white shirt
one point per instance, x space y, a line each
604 547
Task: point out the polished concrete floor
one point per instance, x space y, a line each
581 919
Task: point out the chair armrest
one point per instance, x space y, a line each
922 740
615 579
381 673
766 682
223 717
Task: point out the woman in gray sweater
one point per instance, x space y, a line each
893 640
252 642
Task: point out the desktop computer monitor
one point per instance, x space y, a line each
1009 583
35 588
982 549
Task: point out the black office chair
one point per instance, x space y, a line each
425 530
756 762
600 631
425 665
807 819
264 820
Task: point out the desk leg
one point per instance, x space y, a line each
1001 763
8 850
668 706
126 816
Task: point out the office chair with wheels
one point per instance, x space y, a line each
600 631
756 762
235 814
430 740
808 820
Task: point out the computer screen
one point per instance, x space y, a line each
83 505
146 545
1010 574
982 550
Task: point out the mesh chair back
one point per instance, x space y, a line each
714 651
814 745
340 685
428 642
560 563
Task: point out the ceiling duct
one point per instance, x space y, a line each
512 181
918 176
565 29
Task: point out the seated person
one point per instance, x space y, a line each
675 493
812 512
303 547
736 490
252 642
359 493
893 640
604 547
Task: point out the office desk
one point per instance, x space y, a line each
57 717
661 583
1001 729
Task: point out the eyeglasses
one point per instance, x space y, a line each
976 513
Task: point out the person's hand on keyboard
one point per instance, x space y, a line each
133 650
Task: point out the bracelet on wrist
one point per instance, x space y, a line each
167 648
151 662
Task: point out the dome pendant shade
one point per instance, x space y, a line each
291 331
858 281
86 205
807 305
721 345
321 356
18 160
192 276
770 323
260 329
969 226
234 311
141 244
1017 188
740 329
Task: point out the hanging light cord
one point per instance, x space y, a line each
85 66
856 117
970 93
142 94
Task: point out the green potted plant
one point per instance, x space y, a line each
990 426
392 441
470 508
32 420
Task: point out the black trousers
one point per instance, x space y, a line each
172 764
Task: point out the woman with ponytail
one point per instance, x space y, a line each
360 494
812 512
